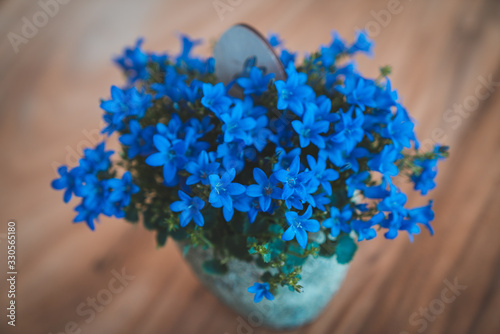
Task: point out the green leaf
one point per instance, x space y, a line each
346 247
214 267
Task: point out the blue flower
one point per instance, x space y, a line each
384 161
201 169
222 190
96 160
260 133
359 92
133 62
285 159
95 192
68 180
322 175
140 141
264 190
287 58
362 44
123 189
364 229
399 130
299 226
274 39
349 131
261 290
215 99
424 177
172 87
123 104
256 83
339 220
190 208
293 181
235 126
309 130
87 215
293 93
329 53
170 156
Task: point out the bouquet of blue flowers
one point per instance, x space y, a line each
283 171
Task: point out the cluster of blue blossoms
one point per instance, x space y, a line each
315 153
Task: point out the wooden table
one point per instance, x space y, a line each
441 52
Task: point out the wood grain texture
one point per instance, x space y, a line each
49 94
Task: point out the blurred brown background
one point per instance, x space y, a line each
443 53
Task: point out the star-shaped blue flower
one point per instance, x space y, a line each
189 208
68 181
293 93
299 226
293 181
170 156
265 190
222 190
215 99
339 220
309 129
322 175
123 189
235 126
256 83
140 141
261 290
201 169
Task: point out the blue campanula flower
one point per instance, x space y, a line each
287 57
362 44
339 220
172 87
96 160
215 99
321 200
299 226
235 126
95 192
293 181
293 93
322 175
349 131
399 130
265 189
359 92
336 47
384 161
123 104
232 154
201 169
134 62
256 83
364 229
422 215
123 189
249 110
189 208
140 141
285 159
170 156
309 130
260 133
322 112
261 290
68 180
274 39
86 214
222 190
